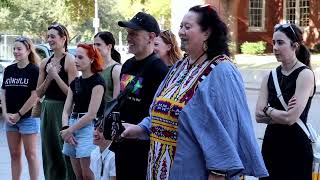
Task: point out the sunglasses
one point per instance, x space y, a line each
23 40
284 26
207 7
58 27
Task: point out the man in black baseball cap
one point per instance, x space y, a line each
142 21
132 155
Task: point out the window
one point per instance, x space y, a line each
297 12
256 15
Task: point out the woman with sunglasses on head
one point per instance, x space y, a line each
199 123
286 149
105 42
166 46
84 103
18 97
55 75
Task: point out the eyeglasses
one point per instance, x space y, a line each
23 40
58 27
284 26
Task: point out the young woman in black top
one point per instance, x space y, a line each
18 97
286 149
85 102
55 75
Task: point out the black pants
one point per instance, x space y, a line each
131 159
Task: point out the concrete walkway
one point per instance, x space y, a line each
253 77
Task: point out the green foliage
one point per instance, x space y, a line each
80 10
159 9
32 17
253 47
316 48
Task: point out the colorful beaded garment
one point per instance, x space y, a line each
179 87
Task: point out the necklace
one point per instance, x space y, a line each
189 66
292 66
284 76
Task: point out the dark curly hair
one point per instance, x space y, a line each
218 40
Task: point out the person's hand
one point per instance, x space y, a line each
131 131
53 70
66 134
71 140
7 119
14 118
260 114
292 102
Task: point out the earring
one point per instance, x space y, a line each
205 46
91 61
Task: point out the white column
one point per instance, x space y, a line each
178 10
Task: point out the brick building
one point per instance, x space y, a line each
254 20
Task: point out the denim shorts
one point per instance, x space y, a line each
29 125
84 138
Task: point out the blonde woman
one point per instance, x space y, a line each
18 97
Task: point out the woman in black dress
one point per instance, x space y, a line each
286 149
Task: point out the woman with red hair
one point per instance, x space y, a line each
84 103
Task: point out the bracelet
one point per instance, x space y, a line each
64 127
271 111
218 173
265 109
19 114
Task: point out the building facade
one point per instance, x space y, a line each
254 20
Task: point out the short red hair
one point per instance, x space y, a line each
94 54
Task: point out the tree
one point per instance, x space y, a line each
159 9
32 17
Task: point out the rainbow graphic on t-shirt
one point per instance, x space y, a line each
126 78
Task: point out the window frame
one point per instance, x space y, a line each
297 12
263 17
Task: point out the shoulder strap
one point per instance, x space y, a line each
284 104
112 71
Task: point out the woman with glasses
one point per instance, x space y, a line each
102 159
84 103
105 42
17 98
199 124
166 46
286 149
55 75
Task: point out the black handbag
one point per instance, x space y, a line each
112 125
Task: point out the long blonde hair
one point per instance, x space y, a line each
33 56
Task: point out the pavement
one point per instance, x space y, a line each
253 76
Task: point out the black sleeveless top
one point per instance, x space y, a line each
53 91
288 86
286 150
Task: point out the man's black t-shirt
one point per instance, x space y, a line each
82 91
19 83
132 155
136 106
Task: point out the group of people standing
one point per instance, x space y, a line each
187 116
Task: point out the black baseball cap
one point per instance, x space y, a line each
142 21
